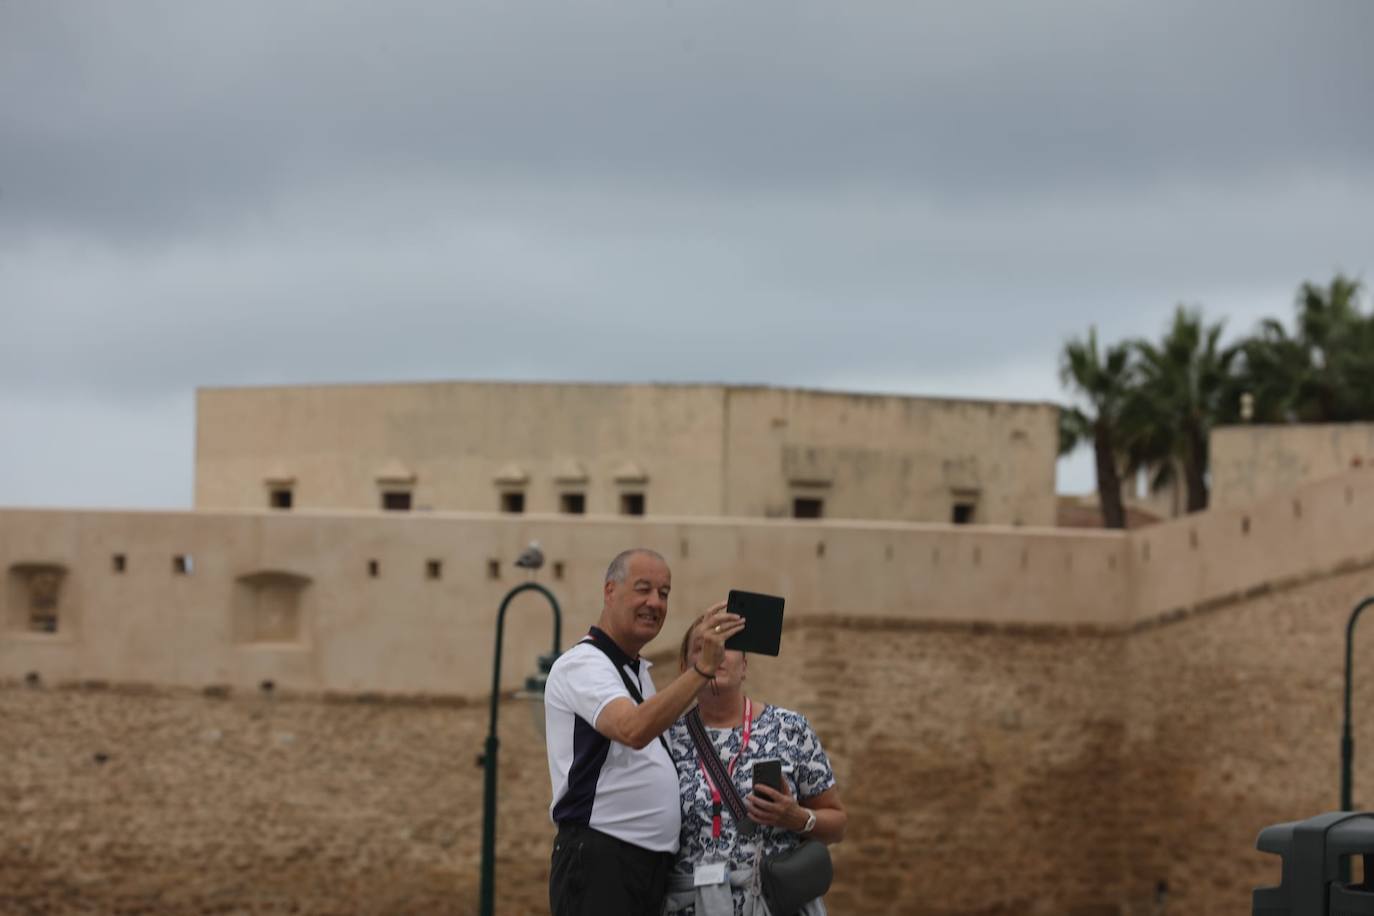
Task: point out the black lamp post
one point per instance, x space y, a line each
487 761
1347 739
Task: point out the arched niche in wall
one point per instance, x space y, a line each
269 607
33 597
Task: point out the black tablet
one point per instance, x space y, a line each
763 622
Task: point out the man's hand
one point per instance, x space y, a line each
715 628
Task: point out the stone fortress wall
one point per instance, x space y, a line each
378 603
1052 767
1254 461
1022 720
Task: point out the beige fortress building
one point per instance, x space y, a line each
650 450
286 687
1251 463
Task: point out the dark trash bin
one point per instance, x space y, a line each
1314 878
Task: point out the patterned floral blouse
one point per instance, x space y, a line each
776 733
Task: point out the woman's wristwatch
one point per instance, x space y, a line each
810 822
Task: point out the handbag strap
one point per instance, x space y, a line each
719 774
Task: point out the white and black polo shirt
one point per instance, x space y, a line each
599 783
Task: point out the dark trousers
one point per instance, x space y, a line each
593 874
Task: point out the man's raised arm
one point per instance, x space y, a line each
636 725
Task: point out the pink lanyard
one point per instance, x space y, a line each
715 792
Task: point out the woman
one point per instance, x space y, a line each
743 732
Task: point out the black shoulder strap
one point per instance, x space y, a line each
635 693
719 774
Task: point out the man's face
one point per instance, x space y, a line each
638 606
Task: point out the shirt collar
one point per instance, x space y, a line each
612 648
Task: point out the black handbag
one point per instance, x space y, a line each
793 878
790 879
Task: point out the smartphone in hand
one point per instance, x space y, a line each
768 773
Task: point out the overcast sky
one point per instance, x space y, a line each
897 197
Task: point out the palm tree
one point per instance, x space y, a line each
1182 387
1324 371
1335 334
1102 380
1274 369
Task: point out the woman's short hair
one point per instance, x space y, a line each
686 648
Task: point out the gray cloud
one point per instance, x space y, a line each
176 115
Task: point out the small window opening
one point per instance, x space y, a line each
963 513
513 501
573 503
493 569
820 548
558 570
43 588
396 500
631 503
280 498
34 596
183 564
434 569
374 569
119 563
807 507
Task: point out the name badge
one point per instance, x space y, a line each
708 873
